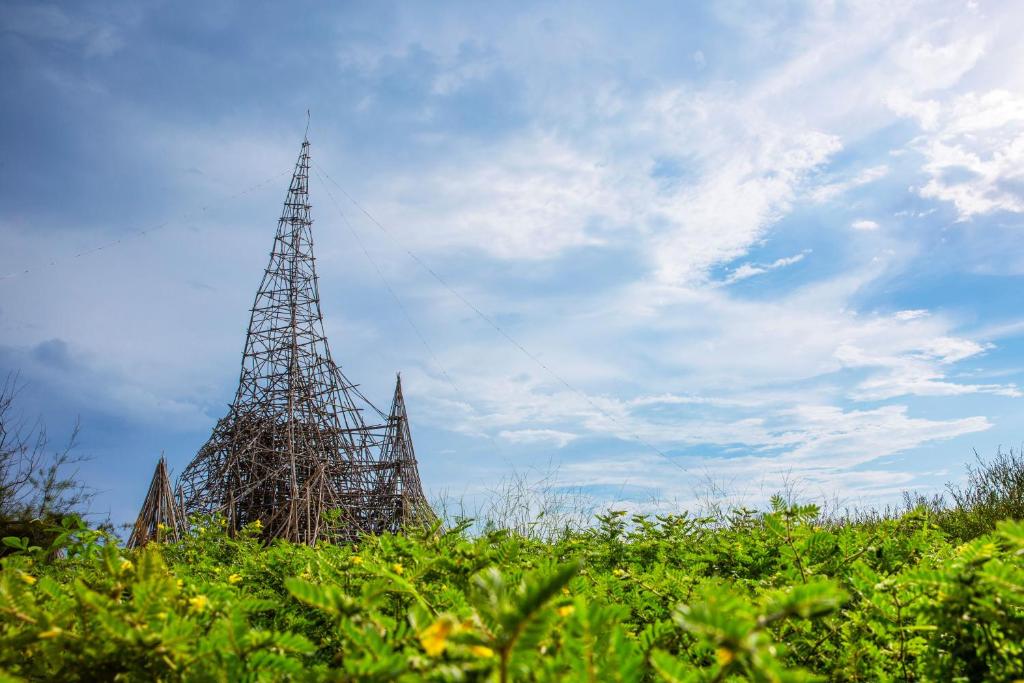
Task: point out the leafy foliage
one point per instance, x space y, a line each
782 595
994 491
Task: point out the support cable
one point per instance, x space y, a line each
394 295
487 319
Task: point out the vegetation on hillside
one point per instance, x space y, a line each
934 593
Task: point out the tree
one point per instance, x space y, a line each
38 486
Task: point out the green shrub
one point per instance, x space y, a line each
775 597
994 491
934 593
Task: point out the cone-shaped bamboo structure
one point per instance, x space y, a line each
399 484
293 444
294 452
159 519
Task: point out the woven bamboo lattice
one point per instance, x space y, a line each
399 483
159 519
294 451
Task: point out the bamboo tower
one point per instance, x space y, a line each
159 517
293 451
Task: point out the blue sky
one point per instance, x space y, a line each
760 241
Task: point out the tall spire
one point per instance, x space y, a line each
293 444
159 517
399 487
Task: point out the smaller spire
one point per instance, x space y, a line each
159 518
401 478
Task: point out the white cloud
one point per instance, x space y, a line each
792 434
974 150
731 373
748 155
848 438
821 446
951 349
864 224
928 66
748 270
916 368
538 436
531 198
754 169
925 111
537 195
910 314
835 188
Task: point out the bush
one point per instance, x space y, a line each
935 592
775 596
994 491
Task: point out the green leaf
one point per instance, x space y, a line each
329 599
671 669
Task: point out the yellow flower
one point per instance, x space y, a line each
566 610
434 638
398 569
619 572
200 603
356 560
235 578
27 578
127 566
482 651
257 525
51 632
724 655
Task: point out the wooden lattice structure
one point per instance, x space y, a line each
294 451
159 519
399 484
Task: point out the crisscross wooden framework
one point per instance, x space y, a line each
159 519
294 450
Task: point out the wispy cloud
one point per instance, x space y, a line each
748 270
864 224
538 436
831 189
